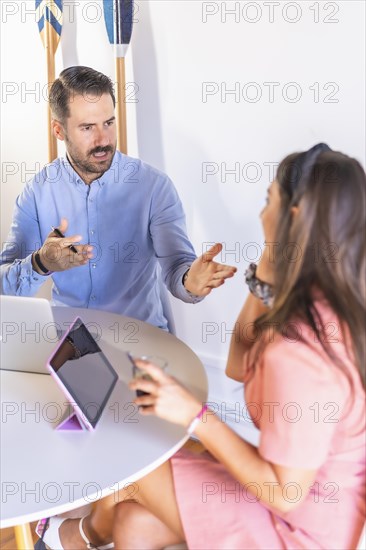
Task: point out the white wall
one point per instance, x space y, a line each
179 50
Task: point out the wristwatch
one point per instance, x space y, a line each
258 288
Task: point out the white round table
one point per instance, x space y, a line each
46 472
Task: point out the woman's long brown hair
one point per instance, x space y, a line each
322 247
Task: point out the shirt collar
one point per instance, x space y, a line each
109 176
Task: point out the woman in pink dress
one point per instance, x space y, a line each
300 349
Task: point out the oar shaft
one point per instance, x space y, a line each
50 46
121 105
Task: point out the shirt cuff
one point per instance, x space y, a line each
192 298
27 273
182 293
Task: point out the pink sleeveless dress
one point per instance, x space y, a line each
309 417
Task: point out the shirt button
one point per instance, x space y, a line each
91 200
94 266
93 297
92 231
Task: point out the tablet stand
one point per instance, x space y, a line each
70 421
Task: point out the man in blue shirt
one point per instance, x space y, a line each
126 213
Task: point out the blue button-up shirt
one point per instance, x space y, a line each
134 219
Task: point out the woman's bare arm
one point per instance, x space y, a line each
244 336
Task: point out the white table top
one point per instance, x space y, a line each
46 472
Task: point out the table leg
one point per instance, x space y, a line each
23 537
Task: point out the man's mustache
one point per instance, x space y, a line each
106 149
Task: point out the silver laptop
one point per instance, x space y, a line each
28 334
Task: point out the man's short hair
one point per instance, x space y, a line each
75 81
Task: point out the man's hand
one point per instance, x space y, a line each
55 253
205 274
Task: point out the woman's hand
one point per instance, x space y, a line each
167 398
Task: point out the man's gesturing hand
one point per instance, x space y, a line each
55 253
205 274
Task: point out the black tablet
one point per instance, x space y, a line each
83 372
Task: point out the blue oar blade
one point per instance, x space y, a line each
124 21
50 11
118 17
108 19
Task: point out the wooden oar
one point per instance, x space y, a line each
49 19
118 16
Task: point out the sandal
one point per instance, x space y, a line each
51 537
89 545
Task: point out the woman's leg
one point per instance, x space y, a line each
155 492
135 528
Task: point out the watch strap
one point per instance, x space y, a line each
258 288
37 259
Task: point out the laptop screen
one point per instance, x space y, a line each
28 334
84 371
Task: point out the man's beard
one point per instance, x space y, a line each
90 167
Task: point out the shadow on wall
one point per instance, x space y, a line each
148 113
207 197
148 119
223 227
69 38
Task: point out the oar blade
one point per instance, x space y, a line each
109 19
49 12
118 17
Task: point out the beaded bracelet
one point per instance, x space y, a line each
258 288
196 420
